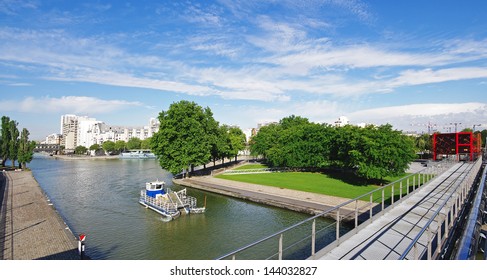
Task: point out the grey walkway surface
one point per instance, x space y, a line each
390 235
32 229
306 202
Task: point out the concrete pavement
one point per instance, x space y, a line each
31 228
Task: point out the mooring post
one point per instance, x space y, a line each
81 246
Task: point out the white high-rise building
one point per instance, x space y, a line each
69 131
85 131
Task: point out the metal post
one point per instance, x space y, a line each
392 194
407 183
356 213
438 238
280 247
338 225
414 183
428 231
400 190
313 238
371 200
383 199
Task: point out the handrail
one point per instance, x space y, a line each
433 217
335 208
466 241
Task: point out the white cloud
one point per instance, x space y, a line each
66 104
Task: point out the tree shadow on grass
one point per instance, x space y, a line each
349 177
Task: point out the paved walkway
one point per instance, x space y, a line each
306 202
31 227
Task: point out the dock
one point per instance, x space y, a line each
30 226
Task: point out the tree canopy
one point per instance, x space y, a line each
15 145
189 136
183 139
373 152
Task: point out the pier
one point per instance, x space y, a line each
30 226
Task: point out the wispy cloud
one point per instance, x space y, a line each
11 7
66 104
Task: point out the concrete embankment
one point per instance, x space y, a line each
31 228
305 202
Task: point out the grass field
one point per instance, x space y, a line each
339 184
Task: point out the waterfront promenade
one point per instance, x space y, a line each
310 203
30 227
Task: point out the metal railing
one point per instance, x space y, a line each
304 239
437 227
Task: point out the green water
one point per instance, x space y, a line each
100 198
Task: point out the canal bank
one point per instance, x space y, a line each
305 202
31 228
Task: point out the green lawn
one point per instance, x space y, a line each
341 185
251 166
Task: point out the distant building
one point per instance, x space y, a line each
342 121
85 131
53 139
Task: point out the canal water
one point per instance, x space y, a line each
100 199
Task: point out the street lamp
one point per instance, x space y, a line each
475 126
455 126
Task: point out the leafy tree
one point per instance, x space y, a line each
377 152
483 136
264 140
120 146
5 148
145 144
109 146
423 144
300 144
26 149
184 138
14 142
94 147
237 141
219 142
134 143
80 150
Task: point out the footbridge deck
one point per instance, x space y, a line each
415 228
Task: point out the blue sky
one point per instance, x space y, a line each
408 63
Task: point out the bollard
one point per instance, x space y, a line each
81 246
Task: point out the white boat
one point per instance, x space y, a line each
137 154
168 203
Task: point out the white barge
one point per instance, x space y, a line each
168 203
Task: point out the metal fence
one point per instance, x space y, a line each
304 239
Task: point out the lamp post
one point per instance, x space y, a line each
475 126
455 126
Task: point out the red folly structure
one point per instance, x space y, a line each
464 145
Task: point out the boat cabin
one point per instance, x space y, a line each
153 189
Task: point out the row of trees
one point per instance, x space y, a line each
15 145
110 147
189 136
373 152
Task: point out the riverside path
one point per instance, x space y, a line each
30 227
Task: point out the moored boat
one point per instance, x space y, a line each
137 154
168 203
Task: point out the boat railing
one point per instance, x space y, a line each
169 207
